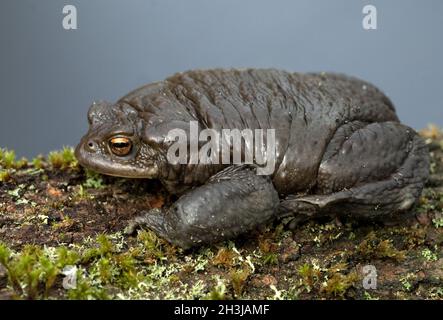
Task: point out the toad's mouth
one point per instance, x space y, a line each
113 168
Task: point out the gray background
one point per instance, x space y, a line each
49 76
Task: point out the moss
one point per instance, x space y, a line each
338 284
33 272
309 274
407 281
66 257
436 293
270 258
93 180
66 223
368 296
104 248
218 292
333 282
429 255
268 249
202 259
37 162
224 257
29 271
81 193
5 175
64 159
411 237
431 132
438 222
7 158
427 202
238 279
267 245
292 293
375 248
128 269
152 244
19 164
84 290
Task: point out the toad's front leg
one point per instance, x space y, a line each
232 202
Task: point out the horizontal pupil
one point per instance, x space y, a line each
121 145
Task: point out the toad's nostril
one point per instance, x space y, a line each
91 146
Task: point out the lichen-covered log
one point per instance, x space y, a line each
53 214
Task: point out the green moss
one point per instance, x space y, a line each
66 257
65 223
202 259
270 258
268 249
153 245
85 290
338 284
332 282
81 193
64 159
224 257
106 270
19 164
15 193
372 247
103 268
438 222
368 296
128 272
29 270
238 280
429 255
436 293
37 162
5 175
218 292
292 293
104 248
93 180
33 271
7 158
407 281
309 274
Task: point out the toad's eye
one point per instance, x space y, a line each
120 146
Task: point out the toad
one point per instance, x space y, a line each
339 150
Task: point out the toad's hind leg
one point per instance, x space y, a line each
232 202
369 171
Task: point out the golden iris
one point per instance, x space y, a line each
120 146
